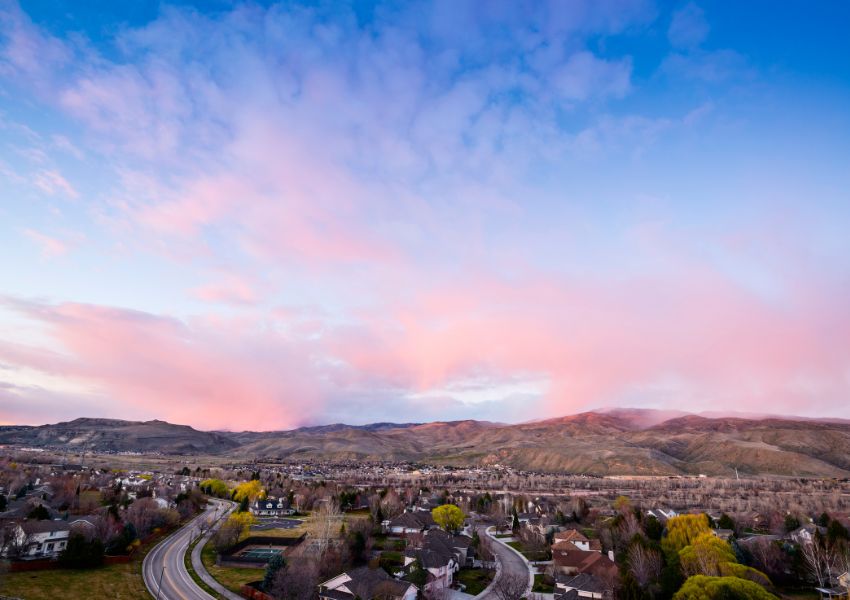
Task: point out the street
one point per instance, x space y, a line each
175 581
512 564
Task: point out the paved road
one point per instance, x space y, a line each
511 564
176 583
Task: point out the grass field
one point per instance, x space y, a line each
232 578
475 580
529 554
121 582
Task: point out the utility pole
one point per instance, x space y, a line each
159 587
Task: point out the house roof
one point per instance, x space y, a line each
584 561
413 520
584 582
571 535
366 583
31 527
438 548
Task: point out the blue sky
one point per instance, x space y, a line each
216 212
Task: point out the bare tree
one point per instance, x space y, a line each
324 525
296 581
818 560
510 586
644 564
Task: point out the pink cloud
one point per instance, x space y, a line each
50 247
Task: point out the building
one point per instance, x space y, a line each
271 507
580 586
441 555
364 583
410 522
578 539
569 560
39 539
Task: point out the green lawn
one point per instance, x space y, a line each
529 554
541 587
475 580
233 578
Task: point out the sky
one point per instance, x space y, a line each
261 216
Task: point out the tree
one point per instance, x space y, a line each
726 522
39 513
683 530
214 487
644 564
702 587
653 528
705 555
791 523
275 564
248 491
449 517
81 553
510 586
324 525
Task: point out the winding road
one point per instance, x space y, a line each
164 570
511 564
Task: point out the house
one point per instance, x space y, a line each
661 514
364 583
38 539
580 586
806 533
271 507
441 555
578 539
569 560
410 522
723 534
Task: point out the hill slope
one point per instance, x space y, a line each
616 442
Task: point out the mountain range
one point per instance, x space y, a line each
608 442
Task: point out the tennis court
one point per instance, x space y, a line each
259 554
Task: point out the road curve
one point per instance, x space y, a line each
511 563
164 570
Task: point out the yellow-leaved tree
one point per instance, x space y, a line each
250 490
683 530
449 517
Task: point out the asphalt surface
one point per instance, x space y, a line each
511 564
164 570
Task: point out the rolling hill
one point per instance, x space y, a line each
612 442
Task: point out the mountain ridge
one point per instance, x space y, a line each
605 442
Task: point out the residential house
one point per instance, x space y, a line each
410 522
39 539
364 583
580 586
441 555
271 507
806 533
569 560
578 539
662 514
723 534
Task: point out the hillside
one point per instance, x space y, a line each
112 435
621 442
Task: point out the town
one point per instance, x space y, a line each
402 531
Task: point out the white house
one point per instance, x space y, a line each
364 583
270 507
39 539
